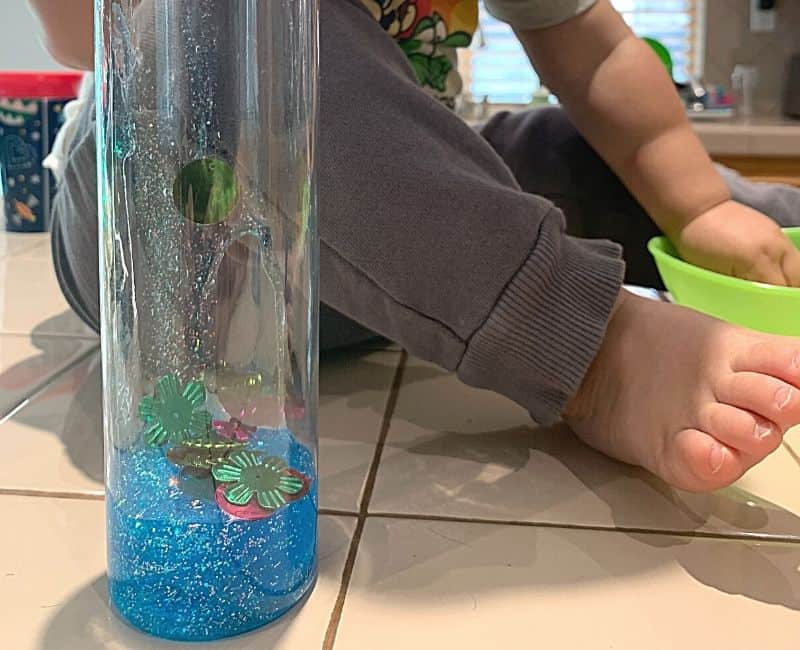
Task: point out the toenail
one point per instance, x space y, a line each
763 430
783 397
717 458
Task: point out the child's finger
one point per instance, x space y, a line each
791 267
767 271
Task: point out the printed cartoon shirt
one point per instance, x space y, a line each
431 32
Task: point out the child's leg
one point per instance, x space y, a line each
427 239
781 202
75 250
74 236
550 158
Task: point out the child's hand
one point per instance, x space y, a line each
738 241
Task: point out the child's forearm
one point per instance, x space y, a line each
620 98
69 30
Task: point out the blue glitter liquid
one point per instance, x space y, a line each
180 568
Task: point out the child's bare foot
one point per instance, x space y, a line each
693 400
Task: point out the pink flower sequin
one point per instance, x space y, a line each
233 429
249 512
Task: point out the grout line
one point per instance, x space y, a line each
32 336
45 384
350 562
743 536
86 336
44 494
334 512
23 252
347 574
391 404
790 450
747 537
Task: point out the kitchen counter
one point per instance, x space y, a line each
772 137
448 519
765 136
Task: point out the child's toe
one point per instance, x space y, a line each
742 430
699 462
777 357
764 395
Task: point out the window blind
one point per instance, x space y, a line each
496 67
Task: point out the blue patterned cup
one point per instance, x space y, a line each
31 112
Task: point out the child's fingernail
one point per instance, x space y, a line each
783 397
763 430
717 458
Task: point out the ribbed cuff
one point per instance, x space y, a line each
536 345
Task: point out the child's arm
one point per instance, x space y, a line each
618 95
69 30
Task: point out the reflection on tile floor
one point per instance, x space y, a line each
354 388
435 584
23 244
27 363
450 556
54 443
475 454
53 588
31 301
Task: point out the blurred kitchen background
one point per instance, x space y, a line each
21 46
731 58
730 41
706 38
712 43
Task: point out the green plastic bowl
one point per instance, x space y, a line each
754 305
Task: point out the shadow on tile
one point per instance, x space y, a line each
412 560
475 454
768 573
87 622
359 388
32 362
80 425
66 323
548 475
353 401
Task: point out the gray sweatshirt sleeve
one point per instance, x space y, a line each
781 202
426 238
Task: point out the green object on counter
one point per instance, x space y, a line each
758 306
662 52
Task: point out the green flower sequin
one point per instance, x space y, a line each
175 413
251 474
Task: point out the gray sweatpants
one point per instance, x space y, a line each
452 243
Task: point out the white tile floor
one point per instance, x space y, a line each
59 588
448 520
440 584
481 459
